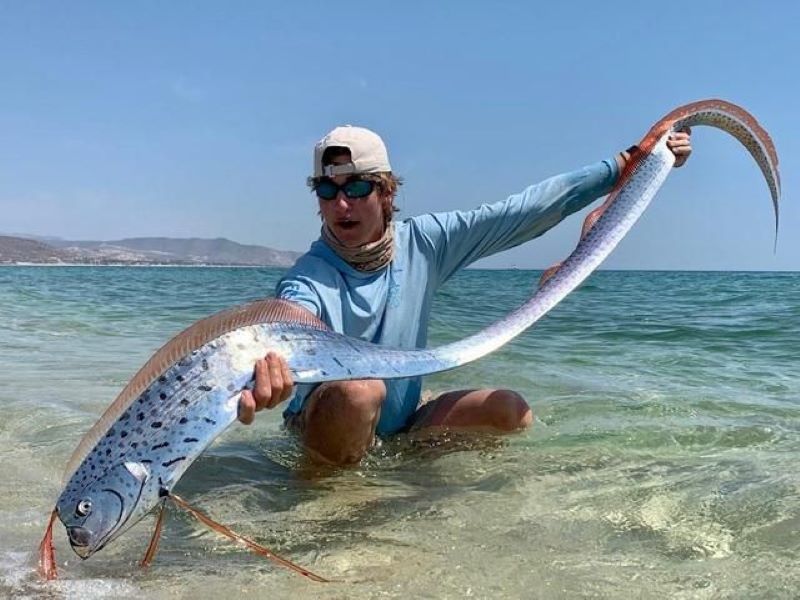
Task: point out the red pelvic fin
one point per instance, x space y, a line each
152 547
47 553
257 548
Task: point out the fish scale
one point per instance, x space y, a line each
188 392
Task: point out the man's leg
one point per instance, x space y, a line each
337 424
497 411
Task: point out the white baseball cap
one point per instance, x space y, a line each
367 152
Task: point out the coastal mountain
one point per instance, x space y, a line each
141 251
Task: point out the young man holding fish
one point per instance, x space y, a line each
371 277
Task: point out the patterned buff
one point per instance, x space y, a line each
367 257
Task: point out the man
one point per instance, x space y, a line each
373 278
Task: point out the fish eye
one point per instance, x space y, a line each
84 507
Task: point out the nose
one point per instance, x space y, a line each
342 199
79 536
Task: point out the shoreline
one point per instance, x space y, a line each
146 266
470 268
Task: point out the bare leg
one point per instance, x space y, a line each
497 411
337 425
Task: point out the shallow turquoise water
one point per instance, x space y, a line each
662 463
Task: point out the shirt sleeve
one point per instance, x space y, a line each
297 288
459 238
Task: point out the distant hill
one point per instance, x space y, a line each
15 249
142 251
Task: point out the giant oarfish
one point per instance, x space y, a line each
188 392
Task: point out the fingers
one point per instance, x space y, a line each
288 382
280 380
680 143
262 389
273 384
247 407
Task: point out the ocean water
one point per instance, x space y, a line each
663 461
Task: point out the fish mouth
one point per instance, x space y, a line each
79 540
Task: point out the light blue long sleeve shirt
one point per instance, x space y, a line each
392 306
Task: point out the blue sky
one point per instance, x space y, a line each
198 119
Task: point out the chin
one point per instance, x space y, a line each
349 238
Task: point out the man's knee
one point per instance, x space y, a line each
510 410
340 418
348 399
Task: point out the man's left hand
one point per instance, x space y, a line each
680 143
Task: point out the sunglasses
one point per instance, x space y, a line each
352 188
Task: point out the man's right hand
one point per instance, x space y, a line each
273 385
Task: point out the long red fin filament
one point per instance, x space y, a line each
152 547
47 553
258 549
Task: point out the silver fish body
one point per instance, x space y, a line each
188 393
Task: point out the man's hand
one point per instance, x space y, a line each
680 143
273 385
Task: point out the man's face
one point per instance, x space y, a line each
354 221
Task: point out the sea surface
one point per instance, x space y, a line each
664 461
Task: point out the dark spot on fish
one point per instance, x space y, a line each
162 445
311 351
324 373
134 445
108 451
162 379
284 338
139 430
91 467
204 388
179 377
184 402
125 416
111 432
189 440
210 421
183 421
163 396
336 360
123 434
173 461
146 461
156 424
231 387
205 364
140 416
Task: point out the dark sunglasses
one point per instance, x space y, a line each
352 188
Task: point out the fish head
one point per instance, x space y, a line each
97 512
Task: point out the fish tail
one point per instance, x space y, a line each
47 552
257 548
720 114
739 123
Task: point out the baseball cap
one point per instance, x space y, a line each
367 152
